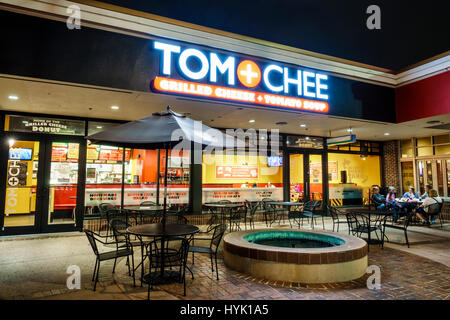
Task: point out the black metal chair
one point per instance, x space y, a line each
313 215
297 216
337 216
236 215
250 215
217 233
360 223
103 208
175 256
123 249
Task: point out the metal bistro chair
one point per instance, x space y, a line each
103 208
175 256
236 215
217 234
313 215
360 223
123 249
250 215
297 216
337 217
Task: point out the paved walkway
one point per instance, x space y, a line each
36 269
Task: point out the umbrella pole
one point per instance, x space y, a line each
164 211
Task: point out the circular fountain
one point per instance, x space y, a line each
296 256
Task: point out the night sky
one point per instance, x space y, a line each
411 31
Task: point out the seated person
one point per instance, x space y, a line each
427 192
411 195
390 197
429 207
391 204
378 200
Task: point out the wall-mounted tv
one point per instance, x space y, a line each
274 161
20 154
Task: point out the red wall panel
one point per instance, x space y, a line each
425 98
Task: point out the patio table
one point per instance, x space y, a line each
225 208
368 214
157 230
286 204
142 210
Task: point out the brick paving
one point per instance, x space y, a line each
36 269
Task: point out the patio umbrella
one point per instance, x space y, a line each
161 130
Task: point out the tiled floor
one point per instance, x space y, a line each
36 269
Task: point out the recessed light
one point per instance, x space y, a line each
307 138
303 125
99 127
13 97
11 142
114 107
386 133
251 120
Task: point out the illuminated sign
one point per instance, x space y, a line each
243 80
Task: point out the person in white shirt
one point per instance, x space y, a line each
244 185
427 191
429 204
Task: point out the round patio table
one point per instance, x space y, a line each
225 208
157 230
142 210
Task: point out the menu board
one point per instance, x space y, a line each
73 151
59 153
237 172
103 154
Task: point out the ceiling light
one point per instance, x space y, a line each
13 97
386 133
303 125
99 127
114 107
251 120
307 138
11 142
349 130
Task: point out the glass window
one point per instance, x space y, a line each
244 176
142 175
406 148
420 169
448 178
350 177
304 142
440 178
407 175
94 127
445 138
103 177
424 147
44 125
356 146
21 183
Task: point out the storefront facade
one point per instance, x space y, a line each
55 179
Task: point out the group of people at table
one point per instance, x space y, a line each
410 202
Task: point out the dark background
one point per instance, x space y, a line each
411 31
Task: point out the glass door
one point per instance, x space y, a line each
306 177
22 185
62 183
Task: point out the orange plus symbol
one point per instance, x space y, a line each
249 73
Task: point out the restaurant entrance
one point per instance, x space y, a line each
306 176
44 183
